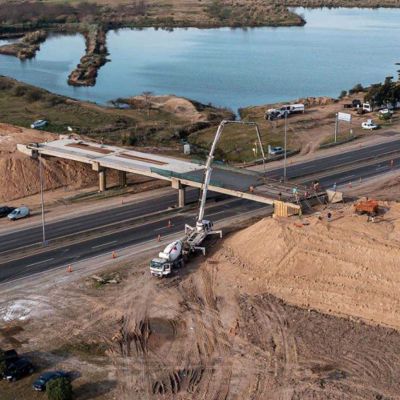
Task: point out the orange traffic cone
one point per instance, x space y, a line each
114 254
169 223
350 185
159 238
69 269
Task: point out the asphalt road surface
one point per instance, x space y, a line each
125 231
73 252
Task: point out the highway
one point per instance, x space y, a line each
85 236
69 253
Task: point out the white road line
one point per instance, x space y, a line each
350 176
39 262
104 244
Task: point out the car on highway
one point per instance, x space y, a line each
45 378
369 125
5 210
18 213
39 124
18 369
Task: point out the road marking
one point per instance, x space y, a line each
348 177
104 244
39 262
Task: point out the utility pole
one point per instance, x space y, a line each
336 126
42 199
284 156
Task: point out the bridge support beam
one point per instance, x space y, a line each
122 178
176 184
102 180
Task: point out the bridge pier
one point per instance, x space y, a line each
102 180
122 178
176 184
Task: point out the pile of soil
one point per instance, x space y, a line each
346 266
19 174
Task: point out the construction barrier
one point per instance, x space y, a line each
282 209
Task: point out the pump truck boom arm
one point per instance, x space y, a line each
210 159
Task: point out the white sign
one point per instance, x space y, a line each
344 117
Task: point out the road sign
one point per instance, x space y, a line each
344 117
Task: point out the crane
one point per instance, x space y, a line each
173 255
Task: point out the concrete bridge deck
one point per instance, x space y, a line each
181 173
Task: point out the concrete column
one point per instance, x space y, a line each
176 184
122 178
102 180
181 196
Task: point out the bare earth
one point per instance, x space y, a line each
279 310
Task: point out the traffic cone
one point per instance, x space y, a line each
114 254
69 269
350 185
169 223
159 238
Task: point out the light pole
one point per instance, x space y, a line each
42 199
284 155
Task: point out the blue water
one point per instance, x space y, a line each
229 67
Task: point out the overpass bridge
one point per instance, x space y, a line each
235 182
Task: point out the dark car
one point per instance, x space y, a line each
8 356
4 211
46 377
18 369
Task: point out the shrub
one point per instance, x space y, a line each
19 91
357 88
59 389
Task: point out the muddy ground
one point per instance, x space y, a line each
205 333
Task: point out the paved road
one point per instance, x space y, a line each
71 253
311 167
118 238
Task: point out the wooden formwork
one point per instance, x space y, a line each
282 209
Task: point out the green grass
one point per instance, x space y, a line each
21 104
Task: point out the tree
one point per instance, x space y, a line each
342 94
59 389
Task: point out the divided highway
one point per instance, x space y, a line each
123 226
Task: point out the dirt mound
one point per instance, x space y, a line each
19 174
178 106
346 266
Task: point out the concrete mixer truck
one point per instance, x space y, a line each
168 260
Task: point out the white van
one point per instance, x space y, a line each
296 108
18 213
367 107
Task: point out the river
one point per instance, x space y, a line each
336 49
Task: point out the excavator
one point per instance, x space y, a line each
177 252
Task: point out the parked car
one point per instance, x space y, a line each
45 378
18 213
274 151
18 369
273 114
369 125
9 356
40 123
5 210
385 113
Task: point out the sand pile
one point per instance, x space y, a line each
346 266
179 106
19 174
